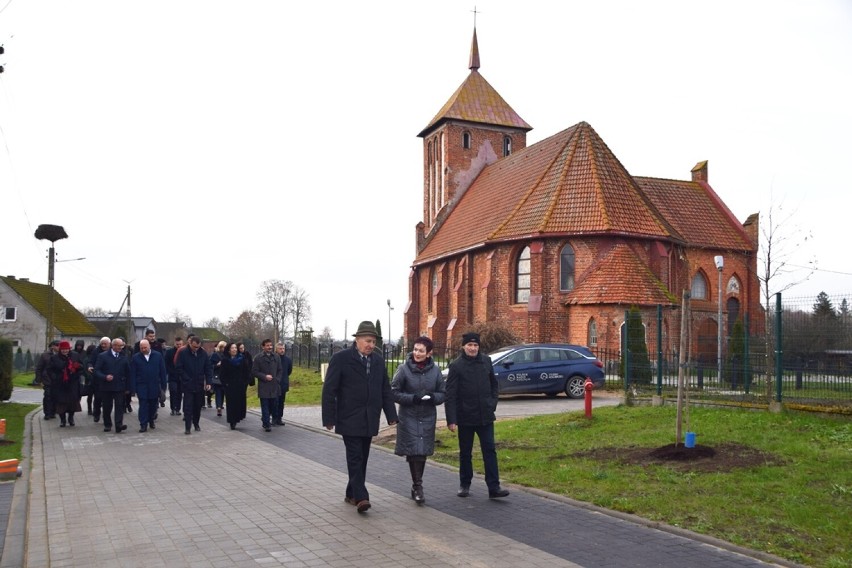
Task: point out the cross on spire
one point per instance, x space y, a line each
475 12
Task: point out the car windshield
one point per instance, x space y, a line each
499 354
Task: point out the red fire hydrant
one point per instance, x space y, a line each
588 388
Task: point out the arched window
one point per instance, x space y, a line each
522 277
507 145
566 268
699 287
466 140
593 332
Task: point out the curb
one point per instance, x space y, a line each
14 550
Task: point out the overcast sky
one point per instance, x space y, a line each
197 148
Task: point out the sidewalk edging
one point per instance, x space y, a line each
14 550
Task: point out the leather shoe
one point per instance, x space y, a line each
107 428
497 493
197 428
121 428
349 500
151 426
188 432
464 491
363 505
143 429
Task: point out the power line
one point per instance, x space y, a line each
815 269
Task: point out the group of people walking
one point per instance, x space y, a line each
110 374
357 390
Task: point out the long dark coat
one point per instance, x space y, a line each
472 391
415 433
235 374
147 378
352 401
65 373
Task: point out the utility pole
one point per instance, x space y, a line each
50 233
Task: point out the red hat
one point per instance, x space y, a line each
64 345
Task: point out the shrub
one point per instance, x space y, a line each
640 365
19 361
29 364
492 336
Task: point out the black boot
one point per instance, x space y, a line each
416 467
71 419
62 420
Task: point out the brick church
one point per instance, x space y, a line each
556 240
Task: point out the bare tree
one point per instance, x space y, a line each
248 326
779 239
326 336
274 297
96 312
215 323
300 311
177 317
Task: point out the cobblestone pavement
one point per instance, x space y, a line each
246 497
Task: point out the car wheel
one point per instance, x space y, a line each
575 387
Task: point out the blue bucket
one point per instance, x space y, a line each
689 442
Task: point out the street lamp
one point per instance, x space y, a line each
390 308
720 264
50 233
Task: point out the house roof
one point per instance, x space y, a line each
66 318
605 283
477 101
697 213
568 184
209 334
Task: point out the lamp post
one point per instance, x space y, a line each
390 337
720 264
50 233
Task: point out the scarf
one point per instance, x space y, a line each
237 360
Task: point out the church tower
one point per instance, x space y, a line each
475 127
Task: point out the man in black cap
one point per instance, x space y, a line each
355 391
470 405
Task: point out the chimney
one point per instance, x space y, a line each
699 172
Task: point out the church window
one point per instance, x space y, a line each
699 287
466 140
507 145
593 333
522 277
433 287
566 268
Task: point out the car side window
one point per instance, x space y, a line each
549 354
522 356
570 354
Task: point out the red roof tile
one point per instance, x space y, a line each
477 101
570 183
697 213
605 283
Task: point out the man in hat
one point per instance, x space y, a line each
355 391
470 405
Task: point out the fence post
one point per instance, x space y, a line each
747 362
659 349
778 350
625 350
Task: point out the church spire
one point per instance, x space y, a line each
474 53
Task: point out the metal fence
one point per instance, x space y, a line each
804 360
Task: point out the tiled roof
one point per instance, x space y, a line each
605 282
209 334
697 213
568 184
66 318
477 101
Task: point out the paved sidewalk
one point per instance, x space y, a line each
238 498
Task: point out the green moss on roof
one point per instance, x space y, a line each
66 318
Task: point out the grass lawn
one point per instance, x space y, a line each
305 388
794 500
14 414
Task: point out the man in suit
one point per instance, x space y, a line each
112 370
175 394
147 378
196 375
356 390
